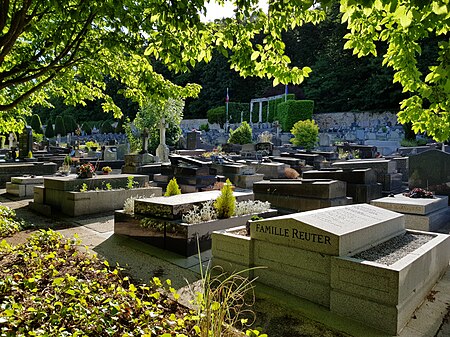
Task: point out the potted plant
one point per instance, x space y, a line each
106 169
86 170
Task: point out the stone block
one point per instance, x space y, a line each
356 176
337 231
39 195
429 222
381 167
270 170
323 189
175 206
364 193
402 204
367 291
28 180
72 183
392 182
301 204
247 181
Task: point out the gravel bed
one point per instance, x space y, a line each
394 249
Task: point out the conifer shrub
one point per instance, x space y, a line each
225 204
60 129
49 132
172 188
242 135
36 124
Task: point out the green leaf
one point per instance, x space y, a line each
255 55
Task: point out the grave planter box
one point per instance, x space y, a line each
91 202
174 235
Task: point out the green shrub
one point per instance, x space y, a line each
38 137
273 106
69 123
242 135
172 188
60 129
216 115
225 204
204 127
36 124
305 134
291 112
9 224
49 132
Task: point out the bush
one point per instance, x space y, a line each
49 132
216 115
38 137
306 134
36 124
225 204
273 107
9 224
70 124
292 111
204 127
242 135
60 129
172 188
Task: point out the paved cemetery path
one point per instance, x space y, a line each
277 314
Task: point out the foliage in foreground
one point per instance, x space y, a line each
9 223
48 287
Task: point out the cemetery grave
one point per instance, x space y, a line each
158 221
385 171
23 186
357 261
76 196
295 195
430 170
362 185
426 214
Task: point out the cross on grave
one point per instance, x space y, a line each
144 141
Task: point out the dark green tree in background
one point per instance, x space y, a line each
36 124
49 131
60 129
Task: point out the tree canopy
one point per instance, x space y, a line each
66 49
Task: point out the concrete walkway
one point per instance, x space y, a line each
278 315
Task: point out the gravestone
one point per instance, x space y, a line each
25 142
193 140
324 139
430 170
426 214
162 151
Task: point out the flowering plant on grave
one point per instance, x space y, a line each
106 169
86 168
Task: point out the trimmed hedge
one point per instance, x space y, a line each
60 128
216 115
292 111
49 131
273 107
36 124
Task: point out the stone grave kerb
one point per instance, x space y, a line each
336 231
